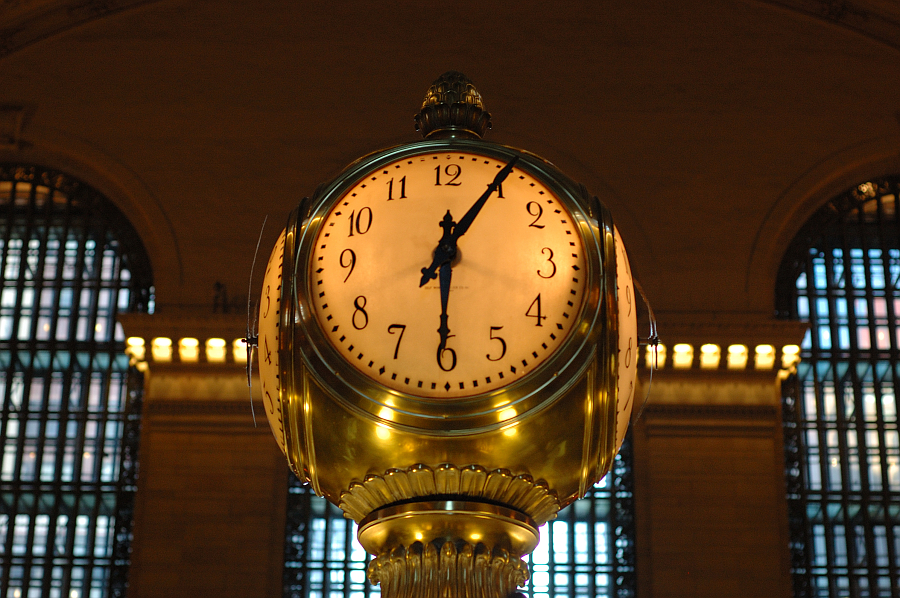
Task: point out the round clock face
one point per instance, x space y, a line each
269 320
430 292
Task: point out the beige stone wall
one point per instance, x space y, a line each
711 512
211 502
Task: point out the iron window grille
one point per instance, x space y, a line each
69 403
842 446
586 552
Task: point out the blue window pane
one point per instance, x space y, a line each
841 429
67 397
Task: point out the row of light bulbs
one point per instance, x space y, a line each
163 349
737 357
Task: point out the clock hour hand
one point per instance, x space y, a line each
443 253
466 221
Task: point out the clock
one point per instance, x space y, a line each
448 345
627 340
268 340
482 316
448 285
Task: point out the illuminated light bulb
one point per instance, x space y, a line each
510 432
135 348
655 356
189 349
682 355
737 357
709 356
765 357
239 350
382 432
161 349
790 356
215 350
386 413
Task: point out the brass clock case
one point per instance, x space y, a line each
472 414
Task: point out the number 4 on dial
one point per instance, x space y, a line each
534 311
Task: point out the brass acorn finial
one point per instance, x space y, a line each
453 108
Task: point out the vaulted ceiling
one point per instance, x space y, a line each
712 129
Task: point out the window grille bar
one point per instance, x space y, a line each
606 515
840 410
68 264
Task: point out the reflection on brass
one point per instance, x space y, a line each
448 548
519 492
468 521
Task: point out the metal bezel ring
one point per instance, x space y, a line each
477 413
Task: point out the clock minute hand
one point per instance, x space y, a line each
464 222
446 249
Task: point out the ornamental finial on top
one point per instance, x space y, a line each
453 108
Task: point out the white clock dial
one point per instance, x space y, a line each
628 341
517 283
267 349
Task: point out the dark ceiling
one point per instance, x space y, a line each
711 129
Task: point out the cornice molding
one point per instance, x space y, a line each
188 407
696 328
189 323
692 411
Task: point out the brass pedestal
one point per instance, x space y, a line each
448 547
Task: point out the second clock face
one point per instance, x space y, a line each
516 284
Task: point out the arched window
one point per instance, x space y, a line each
842 274
586 552
69 404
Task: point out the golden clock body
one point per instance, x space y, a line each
534 377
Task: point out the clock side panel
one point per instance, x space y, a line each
626 376
270 331
372 320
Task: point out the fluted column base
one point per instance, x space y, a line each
448 570
448 548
